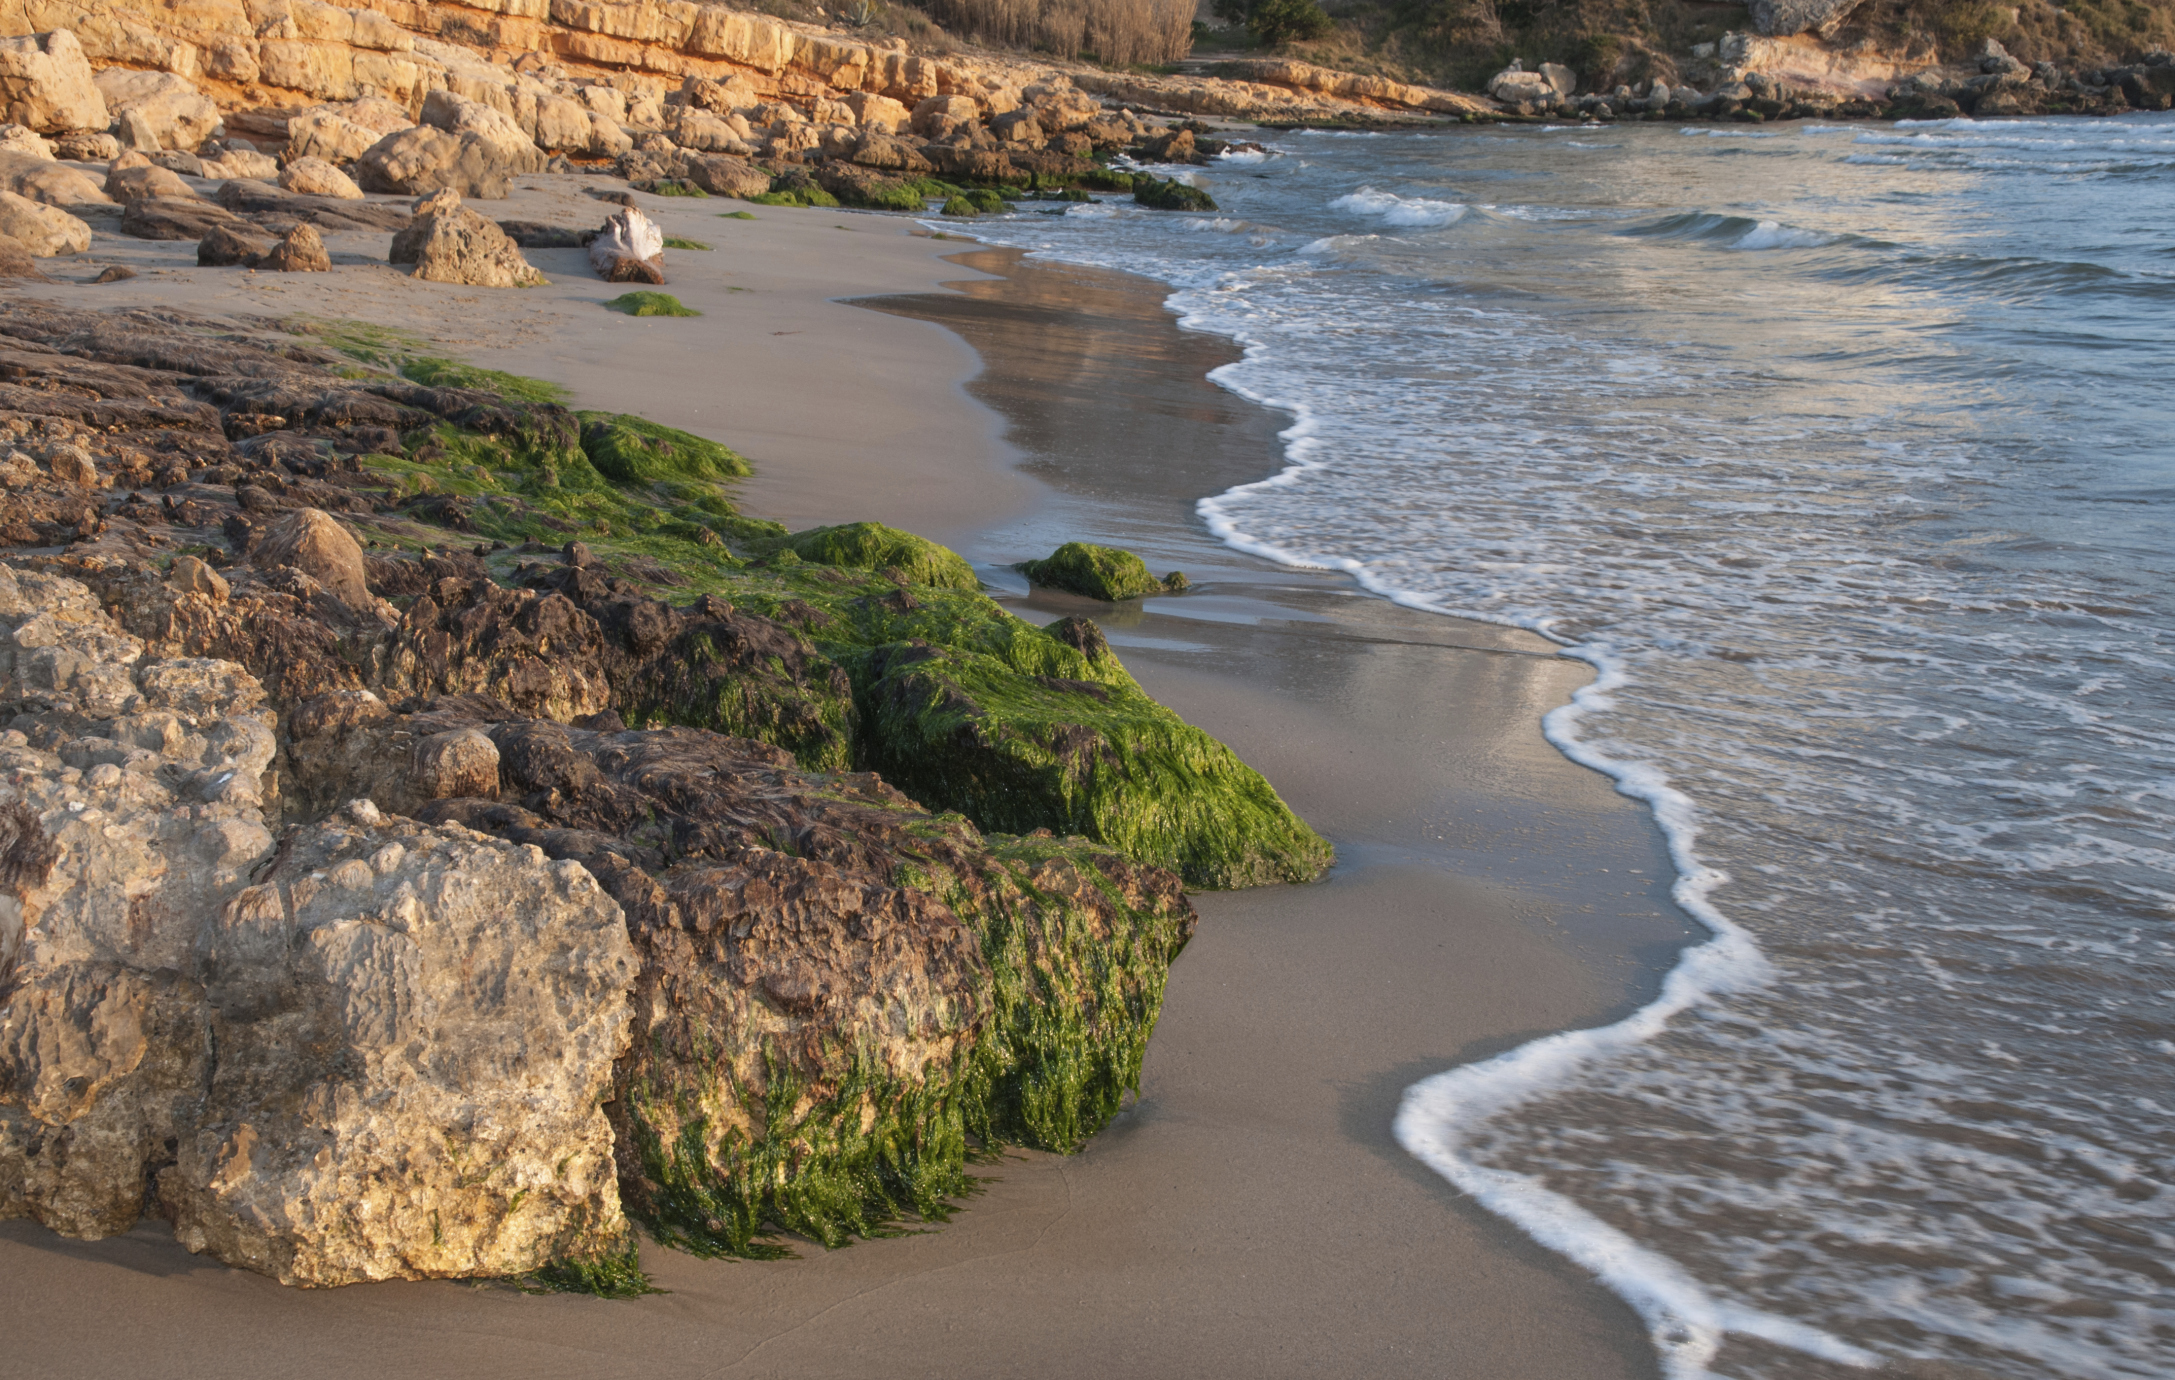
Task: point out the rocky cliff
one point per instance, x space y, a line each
437 827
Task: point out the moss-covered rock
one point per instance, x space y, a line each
1099 572
650 304
1169 194
1087 753
629 450
873 546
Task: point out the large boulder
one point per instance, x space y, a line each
722 175
314 543
145 181
424 159
872 111
46 84
328 136
509 146
316 177
43 230
223 247
55 184
415 1030
22 139
171 218
177 115
448 243
133 807
939 116
875 149
1782 18
703 132
1514 85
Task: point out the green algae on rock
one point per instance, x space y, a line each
1169 194
629 451
873 546
650 304
1099 572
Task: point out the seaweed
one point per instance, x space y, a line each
677 242
650 304
1169 194
628 450
1099 572
612 1273
873 546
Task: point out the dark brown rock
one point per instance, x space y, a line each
222 247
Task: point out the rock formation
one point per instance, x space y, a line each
629 249
400 916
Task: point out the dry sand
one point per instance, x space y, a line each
1251 1215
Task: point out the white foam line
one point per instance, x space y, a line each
1686 1323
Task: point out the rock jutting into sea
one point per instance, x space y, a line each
439 830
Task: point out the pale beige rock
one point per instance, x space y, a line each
316 177
146 181
300 250
179 115
416 1029
941 115
327 137
43 230
703 132
70 463
145 820
46 83
378 114
24 140
241 163
192 576
55 184
878 112
507 143
314 542
424 159
463 247
721 175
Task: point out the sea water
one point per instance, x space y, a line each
1846 454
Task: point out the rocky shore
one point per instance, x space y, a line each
438 828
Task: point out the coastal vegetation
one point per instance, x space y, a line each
1099 572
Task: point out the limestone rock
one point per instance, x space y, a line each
1782 18
87 146
941 115
300 250
1514 84
126 184
508 146
241 163
43 230
222 247
1559 76
872 111
17 262
703 132
629 249
171 218
25 140
46 84
135 810
177 114
314 543
721 175
459 246
55 184
423 159
329 137
415 1028
275 208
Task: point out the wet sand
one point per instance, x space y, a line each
1251 1214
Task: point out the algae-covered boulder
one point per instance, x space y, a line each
629 450
1169 194
837 987
873 546
1099 572
1087 753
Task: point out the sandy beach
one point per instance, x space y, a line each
1251 1214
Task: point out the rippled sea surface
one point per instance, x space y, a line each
1848 455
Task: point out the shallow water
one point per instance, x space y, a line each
1847 454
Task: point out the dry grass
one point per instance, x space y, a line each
1117 33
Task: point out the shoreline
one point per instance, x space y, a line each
1322 1240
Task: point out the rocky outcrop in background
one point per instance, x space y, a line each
387 893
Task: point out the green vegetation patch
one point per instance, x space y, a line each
671 186
676 242
1084 753
650 304
1169 194
612 1273
736 215
628 450
447 373
1099 572
807 195
873 546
